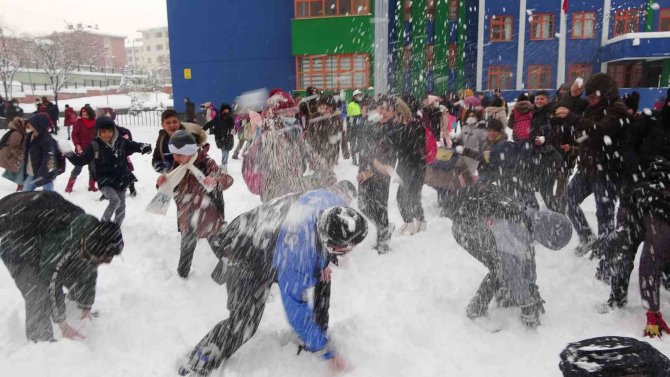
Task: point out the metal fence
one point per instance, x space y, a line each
130 118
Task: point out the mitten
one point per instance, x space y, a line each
655 325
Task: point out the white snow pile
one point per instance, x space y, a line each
400 314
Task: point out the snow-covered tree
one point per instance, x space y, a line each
153 82
127 84
61 53
12 55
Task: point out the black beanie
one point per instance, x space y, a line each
104 123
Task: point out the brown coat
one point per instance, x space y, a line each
11 155
197 210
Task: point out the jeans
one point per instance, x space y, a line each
29 184
604 190
224 156
117 204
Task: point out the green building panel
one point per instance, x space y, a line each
442 31
333 35
419 38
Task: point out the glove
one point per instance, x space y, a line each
540 139
146 148
655 325
460 149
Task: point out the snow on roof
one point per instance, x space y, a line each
645 35
153 29
106 34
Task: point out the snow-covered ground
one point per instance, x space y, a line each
401 314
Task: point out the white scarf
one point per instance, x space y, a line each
161 202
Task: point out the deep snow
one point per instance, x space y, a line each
401 314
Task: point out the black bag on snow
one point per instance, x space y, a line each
613 356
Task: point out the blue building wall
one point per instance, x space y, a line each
500 53
231 46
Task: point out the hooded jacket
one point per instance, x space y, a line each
499 113
110 160
599 129
521 120
647 138
40 151
222 127
11 155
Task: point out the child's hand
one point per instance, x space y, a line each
161 179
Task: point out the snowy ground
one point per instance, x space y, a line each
402 314
115 101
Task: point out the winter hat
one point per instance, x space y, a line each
183 142
603 85
468 93
40 122
281 103
342 227
106 240
104 123
357 92
551 229
347 188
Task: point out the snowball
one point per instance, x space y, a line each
655 6
598 93
647 111
579 82
529 12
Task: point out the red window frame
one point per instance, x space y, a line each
500 22
537 27
628 19
453 9
626 75
582 18
664 15
340 8
583 70
407 9
539 77
452 56
430 57
326 73
499 77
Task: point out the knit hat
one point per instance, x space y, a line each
281 103
104 123
183 142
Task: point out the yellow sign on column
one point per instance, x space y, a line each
187 73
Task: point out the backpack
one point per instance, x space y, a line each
250 166
523 123
613 356
60 158
431 146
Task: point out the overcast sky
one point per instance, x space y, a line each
122 17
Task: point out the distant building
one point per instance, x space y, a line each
152 51
114 52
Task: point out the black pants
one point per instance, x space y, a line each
654 261
188 243
409 193
35 294
248 290
373 201
604 190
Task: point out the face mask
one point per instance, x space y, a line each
471 121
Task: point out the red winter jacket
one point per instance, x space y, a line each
83 132
70 117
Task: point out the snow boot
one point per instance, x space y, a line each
91 185
479 304
202 361
133 192
530 317
585 245
656 326
383 238
70 185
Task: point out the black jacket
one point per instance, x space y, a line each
409 142
190 112
110 161
222 127
53 112
648 137
375 143
41 151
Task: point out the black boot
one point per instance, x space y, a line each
133 192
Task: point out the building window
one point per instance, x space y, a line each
330 8
499 77
407 10
159 47
148 48
664 20
407 57
453 9
583 25
452 56
626 75
159 35
333 72
539 77
542 27
579 70
430 57
501 28
626 21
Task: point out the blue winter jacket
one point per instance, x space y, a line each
298 260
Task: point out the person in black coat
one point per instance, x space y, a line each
53 111
110 152
190 110
40 161
13 110
222 127
49 244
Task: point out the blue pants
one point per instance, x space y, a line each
224 156
581 186
29 185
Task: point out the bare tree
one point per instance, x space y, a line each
61 53
12 56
